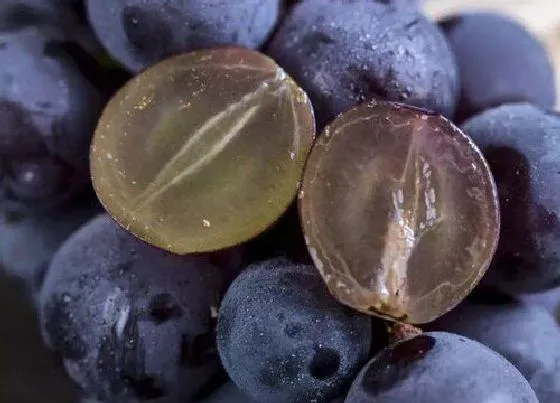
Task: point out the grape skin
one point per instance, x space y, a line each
439 365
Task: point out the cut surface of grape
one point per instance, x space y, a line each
399 210
204 150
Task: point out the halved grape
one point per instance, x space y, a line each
204 150
399 210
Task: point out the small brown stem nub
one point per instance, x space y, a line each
402 331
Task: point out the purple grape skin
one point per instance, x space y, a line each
436 366
139 33
282 336
27 243
48 110
526 335
345 52
59 14
521 144
549 300
131 322
499 62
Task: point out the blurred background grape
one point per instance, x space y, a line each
541 17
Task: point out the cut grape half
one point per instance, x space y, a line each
204 150
399 210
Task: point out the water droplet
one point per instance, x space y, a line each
66 298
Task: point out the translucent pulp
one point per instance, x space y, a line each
399 210
203 150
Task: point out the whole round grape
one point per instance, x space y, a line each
48 110
527 336
521 143
440 366
499 62
283 338
131 322
399 210
345 52
204 150
140 33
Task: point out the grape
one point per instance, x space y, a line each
204 150
48 110
399 210
527 336
17 14
131 322
139 33
283 338
521 145
549 300
436 366
28 242
344 52
499 62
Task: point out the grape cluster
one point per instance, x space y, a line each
278 201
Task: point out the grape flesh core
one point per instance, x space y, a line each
399 210
204 150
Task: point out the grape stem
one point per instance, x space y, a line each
402 331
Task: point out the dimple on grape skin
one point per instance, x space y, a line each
282 337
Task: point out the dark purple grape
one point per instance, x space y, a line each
439 367
17 14
131 322
48 110
549 300
344 52
139 33
499 62
28 242
527 336
522 144
283 338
